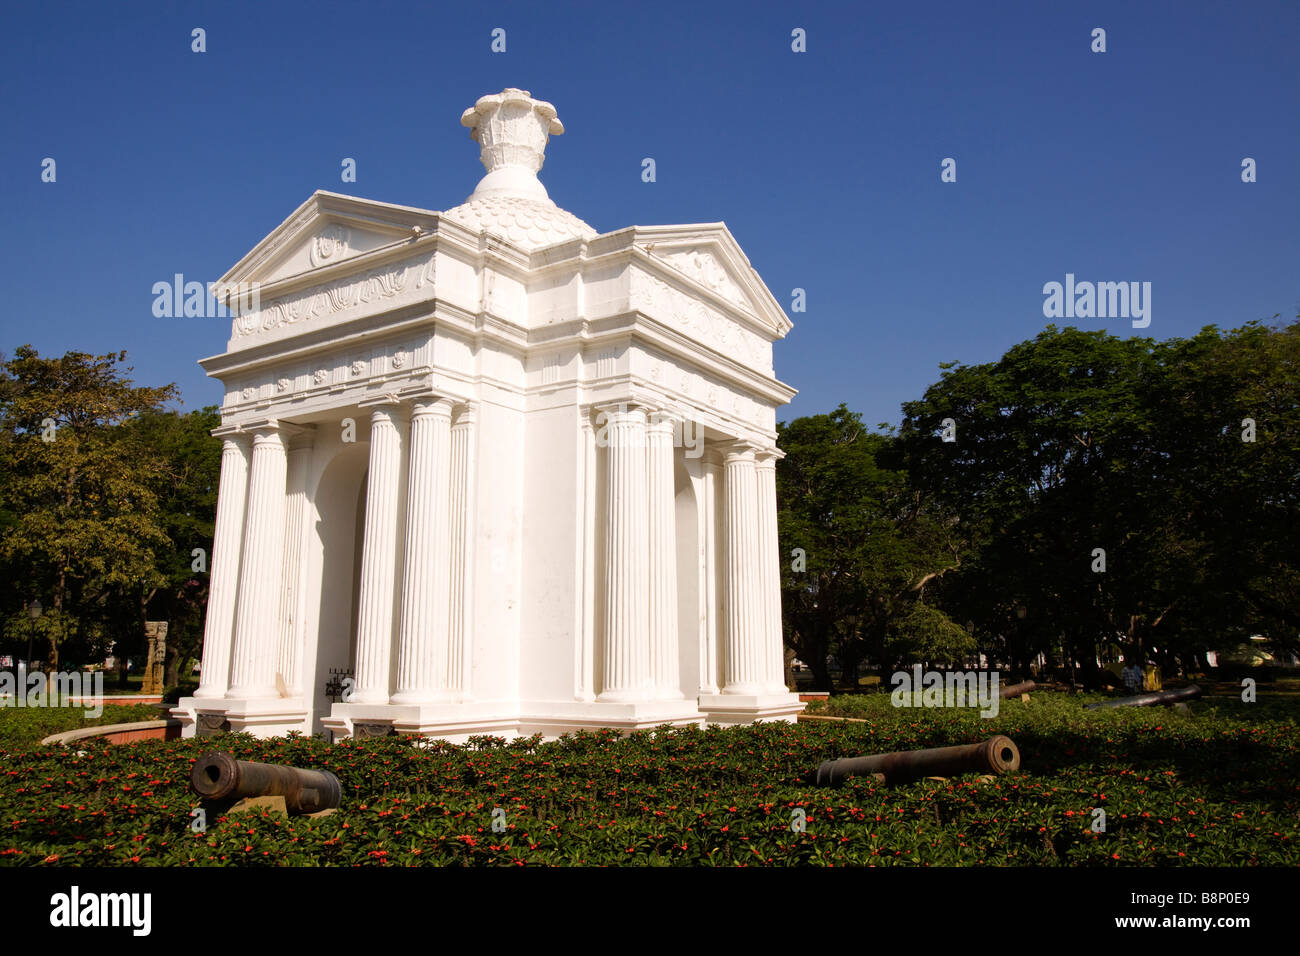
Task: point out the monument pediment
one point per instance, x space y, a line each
324 231
710 257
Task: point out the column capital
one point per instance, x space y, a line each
662 418
623 409
466 413
391 413
229 433
425 405
301 437
739 450
768 457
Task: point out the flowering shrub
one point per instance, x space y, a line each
1209 788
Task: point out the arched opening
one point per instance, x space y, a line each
340 519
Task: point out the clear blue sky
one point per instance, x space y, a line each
1122 166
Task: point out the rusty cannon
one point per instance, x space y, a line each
218 776
1015 690
1177 696
997 755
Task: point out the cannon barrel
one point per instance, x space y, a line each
996 755
217 775
1190 692
1015 690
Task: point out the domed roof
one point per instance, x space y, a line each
530 223
512 129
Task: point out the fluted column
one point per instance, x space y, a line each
627 582
770 557
223 579
743 666
379 558
662 518
292 605
261 569
423 652
462 517
714 585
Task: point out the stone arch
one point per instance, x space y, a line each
340 509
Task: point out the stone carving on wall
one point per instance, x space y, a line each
371 286
658 299
705 269
345 369
330 245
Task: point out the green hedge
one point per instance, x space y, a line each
28 726
1209 788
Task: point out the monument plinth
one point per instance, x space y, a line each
488 470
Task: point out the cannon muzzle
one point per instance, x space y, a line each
1190 692
217 775
997 755
1015 690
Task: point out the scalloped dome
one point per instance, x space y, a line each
530 223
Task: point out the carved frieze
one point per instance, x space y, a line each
696 319
344 369
372 286
702 266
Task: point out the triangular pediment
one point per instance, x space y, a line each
709 256
324 231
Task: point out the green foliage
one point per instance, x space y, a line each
1213 788
23 727
1077 441
81 509
870 543
926 635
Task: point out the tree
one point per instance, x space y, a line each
78 493
1107 490
187 501
858 547
925 635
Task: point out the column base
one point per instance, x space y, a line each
726 709
261 717
453 721
555 717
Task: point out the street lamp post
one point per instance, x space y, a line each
33 611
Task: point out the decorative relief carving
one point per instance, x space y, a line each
331 244
341 371
372 286
695 318
705 269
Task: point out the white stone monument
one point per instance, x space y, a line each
491 471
